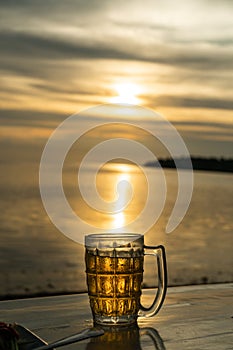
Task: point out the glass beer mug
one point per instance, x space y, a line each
114 270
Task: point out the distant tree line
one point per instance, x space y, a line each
198 163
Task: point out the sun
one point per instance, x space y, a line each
126 93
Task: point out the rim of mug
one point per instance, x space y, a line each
94 238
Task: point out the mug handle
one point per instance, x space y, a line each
159 253
154 335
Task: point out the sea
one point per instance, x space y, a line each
36 258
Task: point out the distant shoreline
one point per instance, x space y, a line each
198 163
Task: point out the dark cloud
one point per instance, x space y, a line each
38 14
78 89
38 118
35 46
221 42
208 125
192 102
53 5
30 118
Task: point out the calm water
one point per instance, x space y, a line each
37 258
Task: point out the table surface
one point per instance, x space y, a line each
192 317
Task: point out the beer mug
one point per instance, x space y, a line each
114 271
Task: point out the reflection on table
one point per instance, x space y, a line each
122 338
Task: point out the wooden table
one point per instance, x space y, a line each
193 317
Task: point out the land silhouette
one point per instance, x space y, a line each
198 163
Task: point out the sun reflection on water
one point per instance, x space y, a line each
118 220
122 186
123 178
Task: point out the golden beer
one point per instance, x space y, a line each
114 283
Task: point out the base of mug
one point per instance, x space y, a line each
115 321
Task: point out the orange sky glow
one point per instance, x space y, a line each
175 60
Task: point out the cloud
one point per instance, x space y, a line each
93 30
35 46
38 7
192 102
39 47
75 50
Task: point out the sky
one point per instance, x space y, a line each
175 57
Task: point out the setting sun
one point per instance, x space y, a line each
126 93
